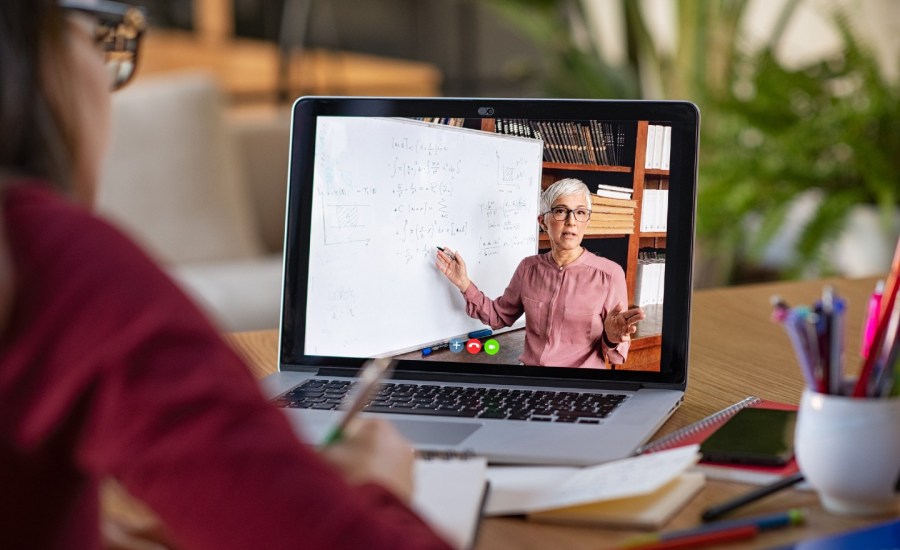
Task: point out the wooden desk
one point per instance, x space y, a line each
735 351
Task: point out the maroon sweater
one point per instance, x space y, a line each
107 369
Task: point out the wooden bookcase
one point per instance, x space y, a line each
644 353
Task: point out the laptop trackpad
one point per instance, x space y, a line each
435 433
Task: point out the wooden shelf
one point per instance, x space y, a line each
655 172
653 234
587 167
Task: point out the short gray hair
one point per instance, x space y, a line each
568 186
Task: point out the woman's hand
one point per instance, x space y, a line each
620 325
374 451
453 267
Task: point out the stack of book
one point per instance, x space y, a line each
651 276
659 147
655 210
446 121
588 142
612 211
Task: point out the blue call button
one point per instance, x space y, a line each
457 345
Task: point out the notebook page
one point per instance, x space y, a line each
449 495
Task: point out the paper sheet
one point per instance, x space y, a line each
520 490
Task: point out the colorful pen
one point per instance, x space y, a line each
436 347
481 333
715 512
700 539
872 314
766 522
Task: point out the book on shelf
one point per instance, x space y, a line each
659 147
651 143
628 493
651 276
667 147
450 494
587 143
608 231
597 217
625 192
612 194
445 121
601 209
597 200
620 224
655 210
696 433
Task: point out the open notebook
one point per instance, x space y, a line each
450 493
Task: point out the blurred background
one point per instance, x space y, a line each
800 101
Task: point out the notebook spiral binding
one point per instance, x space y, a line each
674 438
444 454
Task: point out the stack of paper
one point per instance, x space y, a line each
644 491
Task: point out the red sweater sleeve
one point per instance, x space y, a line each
109 370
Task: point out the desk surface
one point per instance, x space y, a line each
735 351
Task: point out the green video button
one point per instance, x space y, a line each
491 347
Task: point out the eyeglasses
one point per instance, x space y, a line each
561 214
118 34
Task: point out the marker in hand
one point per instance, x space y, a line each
450 254
370 377
452 265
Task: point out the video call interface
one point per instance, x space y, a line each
389 193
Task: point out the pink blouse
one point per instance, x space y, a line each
564 309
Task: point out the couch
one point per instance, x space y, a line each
202 187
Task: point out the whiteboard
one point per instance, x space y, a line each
386 193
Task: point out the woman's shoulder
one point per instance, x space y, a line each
57 242
535 260
41 222
602 264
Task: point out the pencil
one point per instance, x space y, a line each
370 376
715 512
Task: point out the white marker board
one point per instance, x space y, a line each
386 193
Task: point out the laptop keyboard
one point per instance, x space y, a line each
458 401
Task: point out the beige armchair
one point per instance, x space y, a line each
203 189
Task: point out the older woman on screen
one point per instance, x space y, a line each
574 301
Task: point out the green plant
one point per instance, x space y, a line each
830 126
769 134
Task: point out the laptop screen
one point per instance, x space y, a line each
491 237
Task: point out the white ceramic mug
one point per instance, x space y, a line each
849 451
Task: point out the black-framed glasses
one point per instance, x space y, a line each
561 213
118 34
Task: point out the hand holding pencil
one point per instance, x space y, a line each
367 450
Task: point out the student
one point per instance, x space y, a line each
107 370
574 301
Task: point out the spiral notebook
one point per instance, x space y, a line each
450 493
697 432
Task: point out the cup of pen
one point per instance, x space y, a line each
849 452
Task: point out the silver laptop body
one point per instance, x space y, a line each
375 184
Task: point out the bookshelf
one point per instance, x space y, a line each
645 348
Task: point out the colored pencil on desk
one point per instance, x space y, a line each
756 523
700 539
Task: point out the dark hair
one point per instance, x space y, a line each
35 138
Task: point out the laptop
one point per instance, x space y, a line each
376 185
